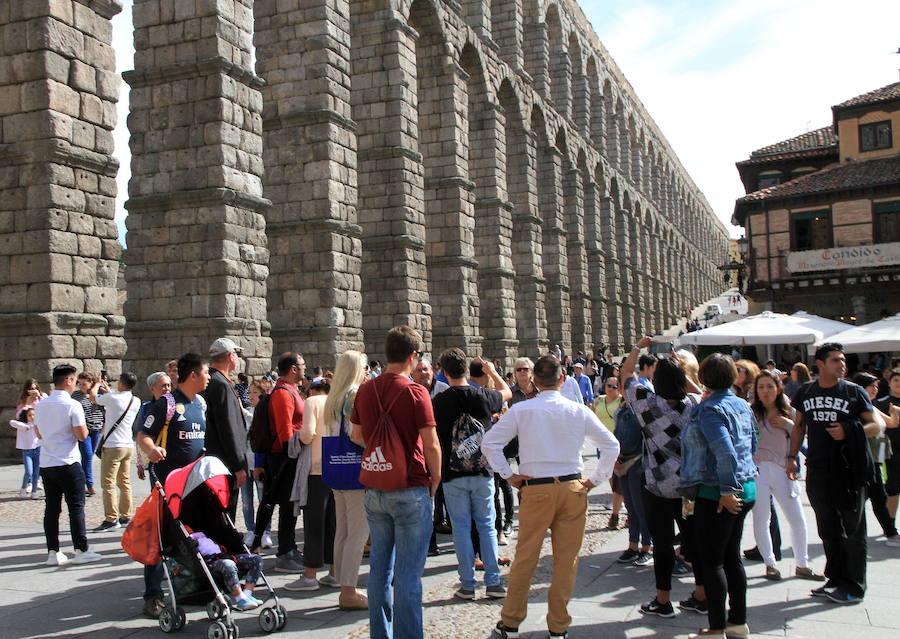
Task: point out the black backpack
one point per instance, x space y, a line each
262 433
466 434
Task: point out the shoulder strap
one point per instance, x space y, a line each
163 437
118 421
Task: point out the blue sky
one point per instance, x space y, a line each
719 77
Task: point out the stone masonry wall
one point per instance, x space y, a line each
59 256
197 257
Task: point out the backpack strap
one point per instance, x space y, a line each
381 408
163 437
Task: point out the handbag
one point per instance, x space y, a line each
99 451
341 459
626 465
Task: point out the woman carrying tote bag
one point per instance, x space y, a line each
352 527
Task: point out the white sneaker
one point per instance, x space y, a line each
35 496
23 494
248 539
86 557
56 558
267 540
40 484
893 542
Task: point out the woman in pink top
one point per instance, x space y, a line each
775 421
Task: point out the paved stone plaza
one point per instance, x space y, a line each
103 600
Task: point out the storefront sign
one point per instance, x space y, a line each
844 257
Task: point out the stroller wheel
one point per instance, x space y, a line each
169 620
268 620
233 631
282 616
180 618
217 630
215 610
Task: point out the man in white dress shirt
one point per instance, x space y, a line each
551 431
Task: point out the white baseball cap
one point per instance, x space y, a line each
224 345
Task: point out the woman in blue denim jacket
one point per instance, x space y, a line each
717 470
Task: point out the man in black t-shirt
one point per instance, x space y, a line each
469 495
832 411
892 485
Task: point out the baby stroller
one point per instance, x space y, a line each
196 496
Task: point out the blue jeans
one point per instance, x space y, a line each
471 499
400 526
87 448
250 487
631 493
32 462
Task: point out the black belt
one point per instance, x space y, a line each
550 480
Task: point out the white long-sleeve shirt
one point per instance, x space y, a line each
551 431
26 436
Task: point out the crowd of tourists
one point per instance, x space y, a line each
379 458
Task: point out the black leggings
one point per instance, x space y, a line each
502 486
718 545
277 486
318 524
662 516
878 496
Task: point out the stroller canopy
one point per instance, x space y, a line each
206 470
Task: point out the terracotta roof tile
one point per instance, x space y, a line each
818 139
884 94
838 177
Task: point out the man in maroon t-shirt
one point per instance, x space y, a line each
399 520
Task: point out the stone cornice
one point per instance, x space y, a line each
444 182
58 151
388 152
198 197
496 271
302 117
390 242
339 227
106 8
140 78
453 260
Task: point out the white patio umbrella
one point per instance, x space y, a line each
762 329
883 335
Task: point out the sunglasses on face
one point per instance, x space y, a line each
612 386
522 370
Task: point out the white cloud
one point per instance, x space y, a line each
802 58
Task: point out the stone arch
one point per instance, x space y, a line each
448 194
493 219
580 92
613 112
521 178
594 131
507 30
559 65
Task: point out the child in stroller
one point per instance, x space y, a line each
229 569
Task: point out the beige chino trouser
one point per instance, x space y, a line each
115 470
561 508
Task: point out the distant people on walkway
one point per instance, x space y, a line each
837 416
393 420
61 425
551 432
120 409
888 404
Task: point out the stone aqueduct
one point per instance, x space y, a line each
478 169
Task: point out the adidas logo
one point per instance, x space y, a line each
376 462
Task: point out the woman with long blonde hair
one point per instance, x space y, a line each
352 527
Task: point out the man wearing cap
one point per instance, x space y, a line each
551 432
584 385
226 430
